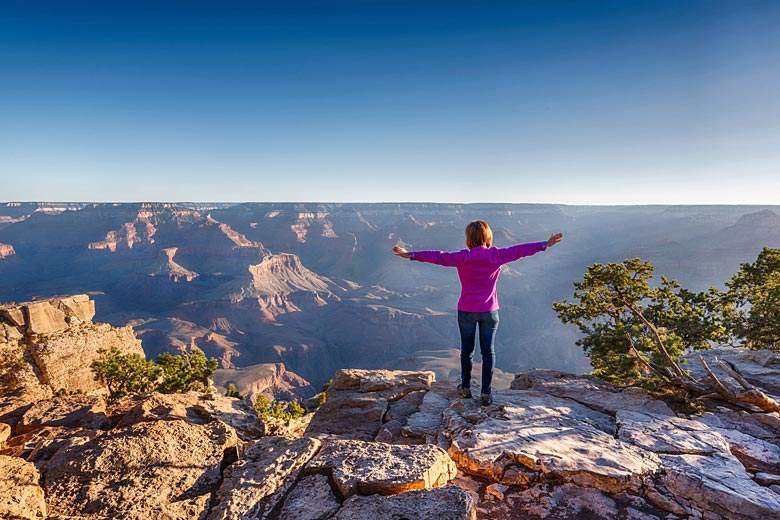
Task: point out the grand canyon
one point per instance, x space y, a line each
316 287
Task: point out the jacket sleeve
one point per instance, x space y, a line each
446 259
510 254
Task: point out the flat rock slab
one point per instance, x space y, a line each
193 407
671 435
447 503
161 465
254 486
71 411
591 392
21 496
556 437
368 468
717 483
390 384
348 415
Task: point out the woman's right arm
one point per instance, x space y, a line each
444 258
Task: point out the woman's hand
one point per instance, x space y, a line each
400 251
554 239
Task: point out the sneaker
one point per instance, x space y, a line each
464 392
486 400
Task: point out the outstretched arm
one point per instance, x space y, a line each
432 257
510 254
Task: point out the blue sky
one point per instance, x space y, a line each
624 102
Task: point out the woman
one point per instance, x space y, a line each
478 269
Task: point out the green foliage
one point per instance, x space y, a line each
751 305
185 372
269 410
131 374
125 373
232 392
635 333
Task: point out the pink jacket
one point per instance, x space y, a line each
478 270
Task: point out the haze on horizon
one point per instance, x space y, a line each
608 102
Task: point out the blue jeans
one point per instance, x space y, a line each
488 324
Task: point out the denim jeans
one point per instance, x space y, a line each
488 324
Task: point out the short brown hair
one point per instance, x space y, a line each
478 233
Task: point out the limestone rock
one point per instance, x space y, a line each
371 468
555 437
44 318
669 434
715 483
21 496
78 306
255 485
571 502
591 392
425 422
5 432
391 384
162 466
64 359
193 407
753 438
11 332
446 503
13 314
72 411
311 499
358 401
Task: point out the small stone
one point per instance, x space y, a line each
497 490
5 432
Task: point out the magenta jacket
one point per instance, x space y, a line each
478 270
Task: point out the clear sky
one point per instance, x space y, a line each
619 102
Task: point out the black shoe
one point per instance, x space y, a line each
464 392
486 400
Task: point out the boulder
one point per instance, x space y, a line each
256 484
368 468
555 438
192 407
663 434
72 411
311 499
167 467
571 502
21 497
64 359
78 306
13 315
426 421
446 503
358 401
715 483
44 318
10 332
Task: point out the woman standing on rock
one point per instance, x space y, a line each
478 270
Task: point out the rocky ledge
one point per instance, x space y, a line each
392 445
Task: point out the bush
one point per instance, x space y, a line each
131 374
278 410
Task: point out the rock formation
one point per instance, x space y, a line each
6 250
384 445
